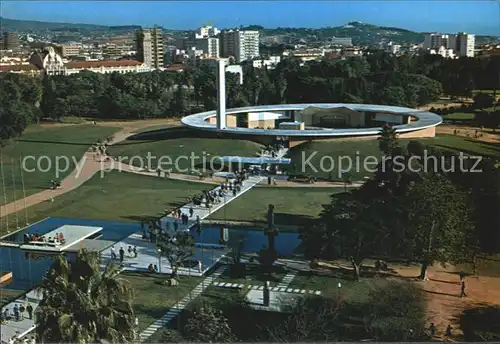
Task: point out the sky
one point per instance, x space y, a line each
479 17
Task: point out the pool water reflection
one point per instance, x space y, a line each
253 239
29 269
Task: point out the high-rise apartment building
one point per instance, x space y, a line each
462 43
10 41
207 31
149 45
209 46
465 44
242 45
437 40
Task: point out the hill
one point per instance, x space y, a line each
31 25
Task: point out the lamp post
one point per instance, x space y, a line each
339 286
159 260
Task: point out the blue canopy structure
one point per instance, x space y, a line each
254 161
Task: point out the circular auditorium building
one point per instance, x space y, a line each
298 123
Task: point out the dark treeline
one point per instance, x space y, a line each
377 78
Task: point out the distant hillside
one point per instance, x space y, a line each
30 25
361 33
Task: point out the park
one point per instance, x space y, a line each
274 253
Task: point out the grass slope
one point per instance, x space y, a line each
322 153
45 144
118 196
175 144
293 206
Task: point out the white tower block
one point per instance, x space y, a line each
221 94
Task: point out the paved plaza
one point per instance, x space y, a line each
147 254
25 325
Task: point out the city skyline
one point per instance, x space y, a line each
479 17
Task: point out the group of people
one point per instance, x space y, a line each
18 312
132 252
153 268
54 184
57 239
26 340
433 330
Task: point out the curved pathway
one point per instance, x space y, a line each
91 163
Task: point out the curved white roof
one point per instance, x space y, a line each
424 120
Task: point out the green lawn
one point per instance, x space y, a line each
353 149
460 116
293 206
181 150
151 299
37 141
255 275
349 290
118 196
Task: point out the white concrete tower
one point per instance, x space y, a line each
221 94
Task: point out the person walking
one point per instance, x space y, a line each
122 254
29 309
191 212
462 288
130 251
16 312
135 251
22 309
448 331
432 330
113 253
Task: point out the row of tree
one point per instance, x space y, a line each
423 205
378 78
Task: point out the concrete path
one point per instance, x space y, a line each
261 287
285 282
176 310
20 328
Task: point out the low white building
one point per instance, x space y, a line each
106 66
270 62
446 53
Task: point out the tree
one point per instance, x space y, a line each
438 224
176 248
82 305
388 140
351 227
312 319
483 100
396 311
208 325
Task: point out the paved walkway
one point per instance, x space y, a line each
176 310
261 287
19 328
285 282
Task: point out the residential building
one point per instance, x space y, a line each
207 31
242 45
446 53
209 46
106 66
462 43
48 61
70 49
270 62
465 44
347 41
395 49
149 47
10 41
437 40
212 65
